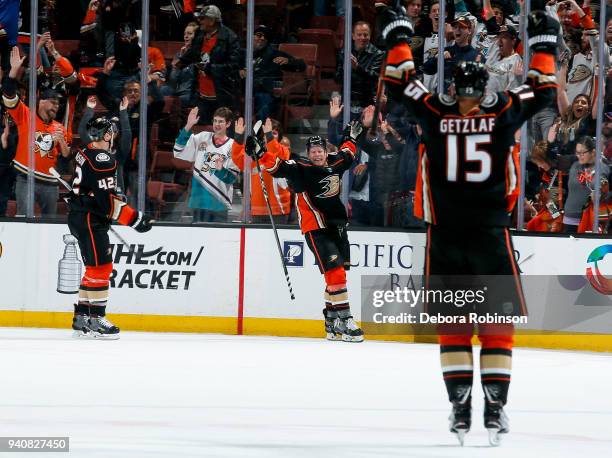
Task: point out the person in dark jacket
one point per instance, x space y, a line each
459 51
366 60
268 66
216 55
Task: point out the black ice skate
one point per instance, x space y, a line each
495 419
330 317
347 328
80 324
460 419
101 328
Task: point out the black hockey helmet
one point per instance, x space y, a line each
470 79
96 128
316 140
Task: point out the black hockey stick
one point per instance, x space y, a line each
267 199
64 183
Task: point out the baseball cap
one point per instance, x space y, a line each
210 11
463 21
265 31
510 30
47 94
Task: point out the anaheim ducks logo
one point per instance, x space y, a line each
43 144
416 42
580 73
331 186
213 161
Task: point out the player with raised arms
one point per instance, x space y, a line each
467 186
323 220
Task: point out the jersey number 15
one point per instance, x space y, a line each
472 154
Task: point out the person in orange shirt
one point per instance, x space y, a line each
50 140
278 188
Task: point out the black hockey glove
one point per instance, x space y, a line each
142 223
542 31
352 131
254 147
396 28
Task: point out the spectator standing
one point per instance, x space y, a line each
216 55
278 189
213 171
460 50
50 141
580 183
366 60
575 121
506 67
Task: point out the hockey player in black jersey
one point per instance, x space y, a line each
467 187
94 203
323 220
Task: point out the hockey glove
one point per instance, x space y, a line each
396 28
352 131
254 147
142 222
542 31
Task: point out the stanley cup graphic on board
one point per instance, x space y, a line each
69 268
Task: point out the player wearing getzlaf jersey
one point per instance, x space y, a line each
466 188
323 219
94 203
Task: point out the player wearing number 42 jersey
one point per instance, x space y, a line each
467 186
94 203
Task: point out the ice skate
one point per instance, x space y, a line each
345 326
101 328
80 324
495 419
460 418
330 332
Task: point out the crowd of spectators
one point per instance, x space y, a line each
195 103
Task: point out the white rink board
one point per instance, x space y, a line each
266 294
194 271
558 255
167 271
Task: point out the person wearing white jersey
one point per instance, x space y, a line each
505 67
213 171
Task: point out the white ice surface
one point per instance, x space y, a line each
188 395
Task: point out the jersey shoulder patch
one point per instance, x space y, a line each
489 100
446 99
103 157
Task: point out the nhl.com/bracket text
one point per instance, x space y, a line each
160 268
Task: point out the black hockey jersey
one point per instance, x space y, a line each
468 171
317 188
94 187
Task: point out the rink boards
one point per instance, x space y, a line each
230 280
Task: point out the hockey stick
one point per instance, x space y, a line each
64 183
372 131
267 199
